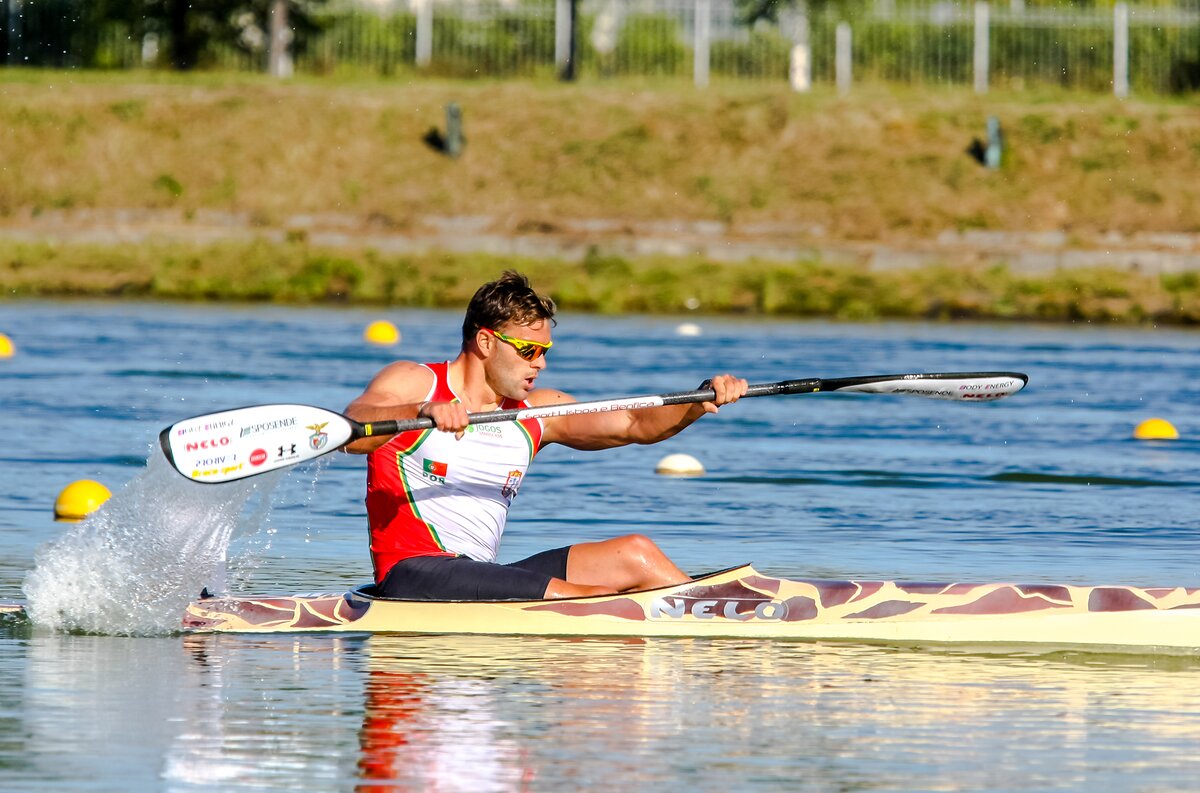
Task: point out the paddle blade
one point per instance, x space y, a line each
959 386
235 444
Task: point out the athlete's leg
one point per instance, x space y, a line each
553 565
604 568
622 563
460 578
557 588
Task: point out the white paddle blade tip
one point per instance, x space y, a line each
966 387
984 389
236 444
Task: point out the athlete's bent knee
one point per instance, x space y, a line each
641 547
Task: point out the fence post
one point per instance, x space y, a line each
1121 50
842 57
700 48
279 59
424 31
800 71
562 35
981 46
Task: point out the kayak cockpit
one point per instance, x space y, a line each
370 592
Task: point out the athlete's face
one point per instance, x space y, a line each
512 375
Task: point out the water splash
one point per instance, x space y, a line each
133 565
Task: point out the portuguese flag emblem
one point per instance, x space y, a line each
434 468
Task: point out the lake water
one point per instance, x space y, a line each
1047 486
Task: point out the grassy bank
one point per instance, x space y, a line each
298 273
881 164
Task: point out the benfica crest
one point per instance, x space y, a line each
318 439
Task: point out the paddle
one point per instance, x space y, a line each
243 442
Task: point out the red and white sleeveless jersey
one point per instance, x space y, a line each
429 494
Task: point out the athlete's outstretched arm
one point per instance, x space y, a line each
623 427
397 392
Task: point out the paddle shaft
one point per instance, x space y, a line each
391 427
702 394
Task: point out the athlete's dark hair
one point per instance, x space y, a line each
509 298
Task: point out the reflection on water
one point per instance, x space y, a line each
66 715
440 733
826 714
392 712
508 713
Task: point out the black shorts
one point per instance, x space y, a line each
461 578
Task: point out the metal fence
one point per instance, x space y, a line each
930 42
491 38
1148 49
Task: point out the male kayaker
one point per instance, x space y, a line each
437 501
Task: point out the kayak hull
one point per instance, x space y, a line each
743 603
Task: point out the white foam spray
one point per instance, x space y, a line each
132 566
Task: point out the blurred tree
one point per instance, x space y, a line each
189 29
752 11
58 33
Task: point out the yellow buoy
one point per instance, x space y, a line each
688 329
80 499
7 350
1156 430
679 465
382 332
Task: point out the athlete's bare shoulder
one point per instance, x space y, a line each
548 396
398 383
400 370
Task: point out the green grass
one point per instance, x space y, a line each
884 162
294 272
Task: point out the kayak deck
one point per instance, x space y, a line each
741 602
11 610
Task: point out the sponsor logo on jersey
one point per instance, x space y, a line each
511 486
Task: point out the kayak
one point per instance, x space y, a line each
743 603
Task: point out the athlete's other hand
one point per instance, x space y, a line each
447 416
727 389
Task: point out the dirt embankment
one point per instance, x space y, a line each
753 170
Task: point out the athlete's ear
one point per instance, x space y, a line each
484 342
